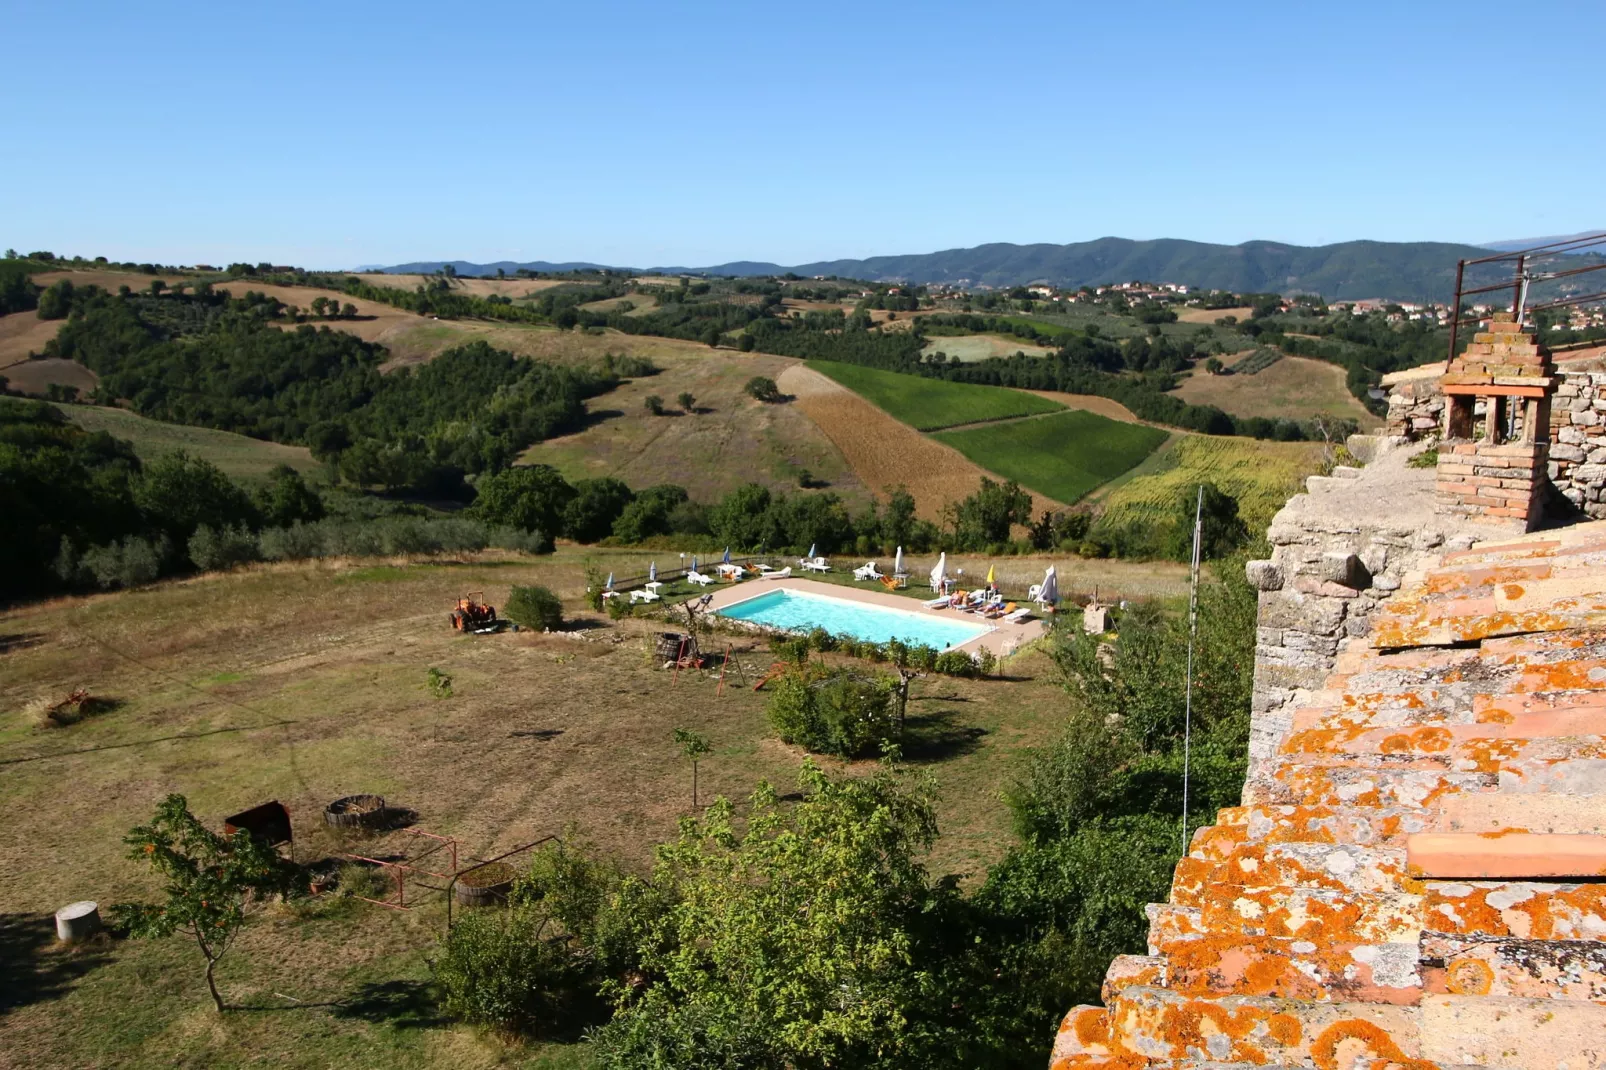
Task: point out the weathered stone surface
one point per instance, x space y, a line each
1264 575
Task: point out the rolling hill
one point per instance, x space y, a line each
1423 271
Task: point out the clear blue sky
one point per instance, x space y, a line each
334 134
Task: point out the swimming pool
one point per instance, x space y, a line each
797 611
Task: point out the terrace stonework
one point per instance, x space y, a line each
1416 877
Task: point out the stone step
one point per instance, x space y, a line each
1528 969
1527 910
1322 915
1339 867
1519 856
1300 784
1434 728
1217 965
1160 1024
1502 811
1361 825
1512 1033
1084 1033
1464 747
1128 970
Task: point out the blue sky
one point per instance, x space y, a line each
335 134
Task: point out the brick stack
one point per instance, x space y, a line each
1420 882
1504 482
1511 374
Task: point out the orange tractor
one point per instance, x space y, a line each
472 615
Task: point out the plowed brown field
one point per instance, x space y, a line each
885 453
514 288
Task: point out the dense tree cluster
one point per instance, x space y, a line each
214 361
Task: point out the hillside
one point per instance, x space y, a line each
1420 271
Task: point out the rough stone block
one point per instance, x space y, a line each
1264 575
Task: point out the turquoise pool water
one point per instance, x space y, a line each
795 611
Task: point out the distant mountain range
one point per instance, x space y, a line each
1419 271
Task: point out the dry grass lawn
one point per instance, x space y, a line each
730 440
22 333
307 683
1092 403
974 347
36 376
514 288
1295 388
1211 315
885 453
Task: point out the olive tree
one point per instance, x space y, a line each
210 881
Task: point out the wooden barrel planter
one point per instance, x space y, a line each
485 885
355 811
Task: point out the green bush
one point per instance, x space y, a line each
128 563
954 663
619 608
836 712
534 607
212 548
510 971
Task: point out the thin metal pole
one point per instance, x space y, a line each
1455 309
1516 289
1193 629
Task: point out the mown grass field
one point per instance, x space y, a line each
1261 475
306 683
1294 388
974 347
1064 455
239 457
933 404
730 439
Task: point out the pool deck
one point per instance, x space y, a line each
1001 639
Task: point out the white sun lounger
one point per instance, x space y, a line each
937 603
817 564
867 571
1020 616
699 579
773 574
645 596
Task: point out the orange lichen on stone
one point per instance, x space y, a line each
1360 1038
1469 977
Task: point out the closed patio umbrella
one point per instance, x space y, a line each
727 558
897 562
811 550
652 572
1050 593
694 562
609 584
939 571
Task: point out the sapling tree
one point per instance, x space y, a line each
210 881
694 747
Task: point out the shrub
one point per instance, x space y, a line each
295 543
534 607
619 608
128 563
954 663
212 548
509 970
923 657
764 389
655 404
840 713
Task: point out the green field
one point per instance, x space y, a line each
1064 455
238 456
933 404
1261 475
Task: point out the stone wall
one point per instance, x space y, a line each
1337 551
1577 467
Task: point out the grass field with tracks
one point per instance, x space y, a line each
933 404
238 456
1261 475
1064 455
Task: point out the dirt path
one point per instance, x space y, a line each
885 453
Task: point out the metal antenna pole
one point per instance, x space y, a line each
1193 630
